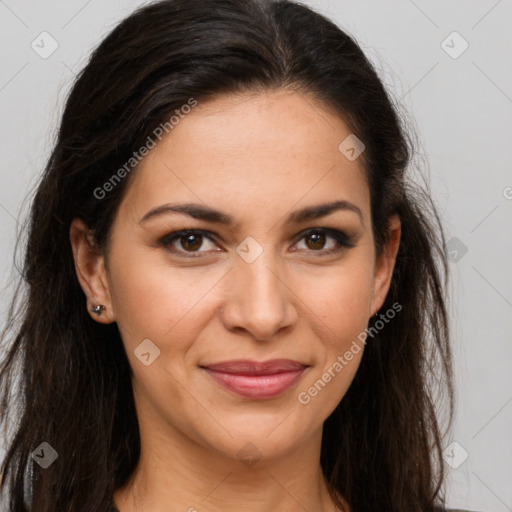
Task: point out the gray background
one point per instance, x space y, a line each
462 109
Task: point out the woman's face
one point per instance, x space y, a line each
248 285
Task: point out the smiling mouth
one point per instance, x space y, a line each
257 380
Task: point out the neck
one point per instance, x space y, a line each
175 473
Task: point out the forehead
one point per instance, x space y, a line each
268 149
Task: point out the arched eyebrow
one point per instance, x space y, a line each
205 213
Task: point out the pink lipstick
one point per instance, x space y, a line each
254 379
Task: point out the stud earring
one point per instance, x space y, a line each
98 310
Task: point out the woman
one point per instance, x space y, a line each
235 295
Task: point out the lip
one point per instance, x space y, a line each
253 379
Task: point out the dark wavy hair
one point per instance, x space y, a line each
65 378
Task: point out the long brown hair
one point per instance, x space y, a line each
66 379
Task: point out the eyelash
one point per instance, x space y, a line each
343 240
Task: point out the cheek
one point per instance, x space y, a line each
342 301
169 307
156 301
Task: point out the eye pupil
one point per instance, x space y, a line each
318 240
189 241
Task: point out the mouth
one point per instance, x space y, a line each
257 380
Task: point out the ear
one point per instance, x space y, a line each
91 271
385 263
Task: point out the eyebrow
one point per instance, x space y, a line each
201 212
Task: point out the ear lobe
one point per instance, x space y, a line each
90 271
385 263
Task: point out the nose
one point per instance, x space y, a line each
259 300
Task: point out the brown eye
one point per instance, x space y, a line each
191 242
317 240
325 241
188 242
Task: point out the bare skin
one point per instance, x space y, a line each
258 158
